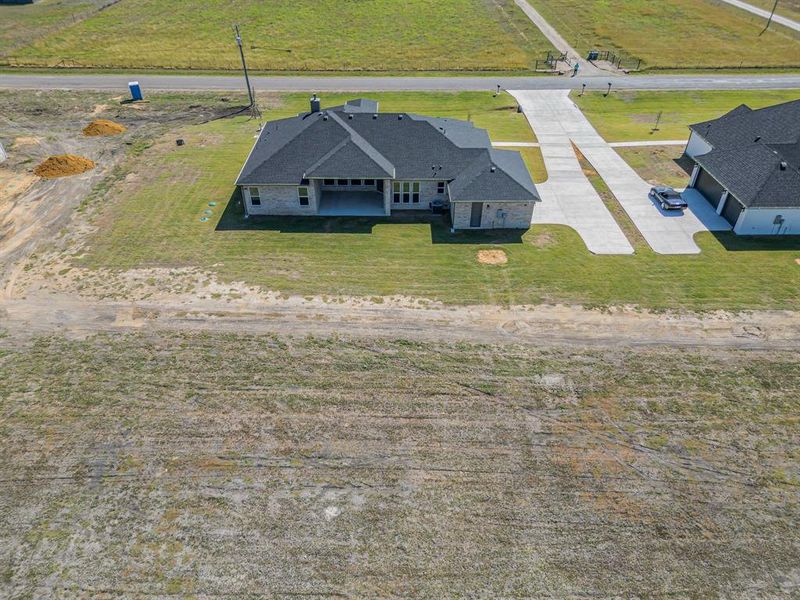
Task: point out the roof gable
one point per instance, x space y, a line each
756 154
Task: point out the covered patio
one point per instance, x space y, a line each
351 204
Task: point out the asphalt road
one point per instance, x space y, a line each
367 84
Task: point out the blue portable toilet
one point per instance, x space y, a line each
136 91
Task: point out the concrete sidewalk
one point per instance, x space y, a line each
568 198
667 232
785 21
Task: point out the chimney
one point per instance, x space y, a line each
315 104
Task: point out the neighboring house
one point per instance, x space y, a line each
747 165
352 160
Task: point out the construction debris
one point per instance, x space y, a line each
103 127
63 165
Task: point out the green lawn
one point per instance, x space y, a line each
154 220
630 115
673 33
658 165
301 35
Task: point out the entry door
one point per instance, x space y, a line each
477 214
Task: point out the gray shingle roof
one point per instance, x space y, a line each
756 154
344 143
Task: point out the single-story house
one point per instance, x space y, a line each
747 165
353 160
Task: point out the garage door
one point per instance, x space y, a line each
732 210
709 187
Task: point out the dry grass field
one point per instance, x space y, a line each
214 466
669 34
299 35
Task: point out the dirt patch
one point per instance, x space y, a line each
543 240
64 165
492 257
26 141
99 108
103 127
12 183
797 260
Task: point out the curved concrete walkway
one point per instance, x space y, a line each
568 198
781 20
667 232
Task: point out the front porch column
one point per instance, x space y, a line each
387 196
695 174
723 199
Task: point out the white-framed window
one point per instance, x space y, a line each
341 182
406 192
369 182
355 182
440 187
302 193
415 192
255 196
328 182
396 192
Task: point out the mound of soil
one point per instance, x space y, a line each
103 127
63 165
492 257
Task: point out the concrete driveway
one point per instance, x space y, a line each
568 198
667 232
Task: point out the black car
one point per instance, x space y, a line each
668 198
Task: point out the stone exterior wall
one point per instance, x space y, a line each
496 215
282 200
427 193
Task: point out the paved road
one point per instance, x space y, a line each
366 84
568 197
786 22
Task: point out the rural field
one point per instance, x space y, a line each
209 465
673 34
301 35
20 23
154 211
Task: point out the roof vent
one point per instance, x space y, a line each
784 165
350 117
758 138
493 169
399 117
324 116
375 116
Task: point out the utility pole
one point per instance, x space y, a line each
252 106
772 14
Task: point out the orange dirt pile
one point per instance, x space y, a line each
63 165
103 127
492 257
